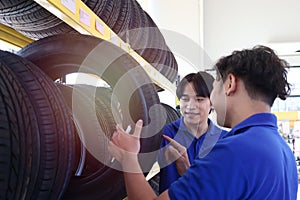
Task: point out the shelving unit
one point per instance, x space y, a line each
76 14
80 17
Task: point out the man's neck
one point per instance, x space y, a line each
199 130
253 107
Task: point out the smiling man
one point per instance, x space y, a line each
194 130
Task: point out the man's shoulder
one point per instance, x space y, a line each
215 129
172 128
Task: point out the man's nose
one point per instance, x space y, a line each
191 103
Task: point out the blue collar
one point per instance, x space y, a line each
212 128
260 119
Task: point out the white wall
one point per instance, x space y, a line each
237 24
181 25
221 26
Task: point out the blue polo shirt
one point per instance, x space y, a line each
195 147
252 161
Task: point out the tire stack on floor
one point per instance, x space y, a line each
125 17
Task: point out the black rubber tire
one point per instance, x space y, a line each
122 22
112 20
107 10
172 66
169 66
141 34
172 115
32 20
18 148
63 54
152 47
93 172
49 148
131 34
102 103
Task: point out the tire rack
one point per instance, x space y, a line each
77 15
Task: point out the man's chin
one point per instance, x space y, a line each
192 121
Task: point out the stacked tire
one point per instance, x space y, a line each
172 115
36 138
125 17
54 136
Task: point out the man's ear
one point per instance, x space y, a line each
231 84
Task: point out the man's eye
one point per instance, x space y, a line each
200 99
185 99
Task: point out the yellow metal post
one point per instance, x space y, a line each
13 38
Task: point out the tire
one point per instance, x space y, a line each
31 19
18 148
172 115
107 10
45 140
90 172
63 54
122 22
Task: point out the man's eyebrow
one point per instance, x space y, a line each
199 96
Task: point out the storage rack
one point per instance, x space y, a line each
80 17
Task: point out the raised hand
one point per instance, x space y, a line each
124 145
177 152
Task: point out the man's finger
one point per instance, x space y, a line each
175 153
138 128
167 138
171 154
175 144
172 141
119 127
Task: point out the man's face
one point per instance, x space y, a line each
218 101
194 109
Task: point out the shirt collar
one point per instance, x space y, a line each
212 129
260 119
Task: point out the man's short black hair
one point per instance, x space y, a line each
202 82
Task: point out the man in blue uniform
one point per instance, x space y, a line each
252 161
194 130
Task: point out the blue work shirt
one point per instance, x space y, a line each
252 161
195 147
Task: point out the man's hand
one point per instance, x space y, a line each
125 147
177 152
